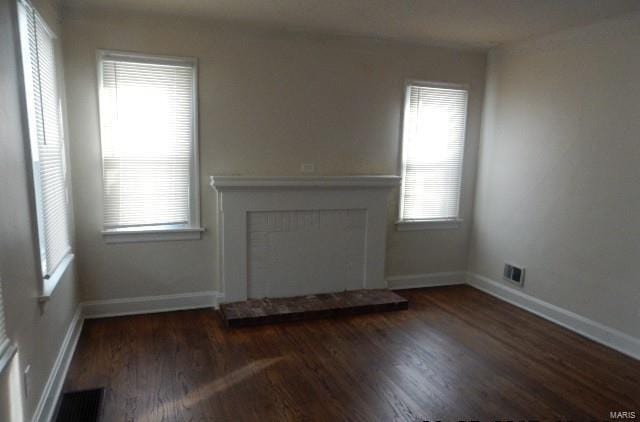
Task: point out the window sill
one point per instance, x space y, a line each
50 284
409 225
136 234
6 353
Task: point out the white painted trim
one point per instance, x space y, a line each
223 183
409 225
151 235
437 84
593 330
135 57
6 355
50 284
150 304
52 389
414 281
238 197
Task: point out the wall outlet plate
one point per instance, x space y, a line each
307 168
26 380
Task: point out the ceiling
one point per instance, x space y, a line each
472 23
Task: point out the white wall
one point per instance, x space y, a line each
559 176
269 100
37 330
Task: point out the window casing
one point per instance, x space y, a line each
432 153
148 122
7 349
51 184
4 340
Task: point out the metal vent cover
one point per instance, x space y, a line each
513 273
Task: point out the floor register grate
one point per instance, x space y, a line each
80 406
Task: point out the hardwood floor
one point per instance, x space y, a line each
456 354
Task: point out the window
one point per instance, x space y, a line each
433 147
48 155
148 133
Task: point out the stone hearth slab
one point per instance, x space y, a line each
327 305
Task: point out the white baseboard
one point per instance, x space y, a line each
150 304
52 389
425 280
105 308
591 329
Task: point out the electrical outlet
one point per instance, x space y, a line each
26 381
307 168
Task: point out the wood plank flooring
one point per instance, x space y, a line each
456 354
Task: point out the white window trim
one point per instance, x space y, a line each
427 224
7 348
191 231
159 233
47 285
6 354
409 225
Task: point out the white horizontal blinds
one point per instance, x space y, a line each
47 141
433 147
147 119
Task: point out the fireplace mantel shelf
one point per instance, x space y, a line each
222 183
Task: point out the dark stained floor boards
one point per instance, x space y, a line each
455 354
329 305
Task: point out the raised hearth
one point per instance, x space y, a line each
269 311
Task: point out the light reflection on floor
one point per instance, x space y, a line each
210 389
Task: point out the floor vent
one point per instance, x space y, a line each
80 406
513 274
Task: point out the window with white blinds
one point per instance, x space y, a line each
148 121
44 109
433 146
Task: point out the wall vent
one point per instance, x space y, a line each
513 274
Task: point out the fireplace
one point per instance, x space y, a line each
291 236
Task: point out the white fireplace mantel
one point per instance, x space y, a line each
288 236
225 183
